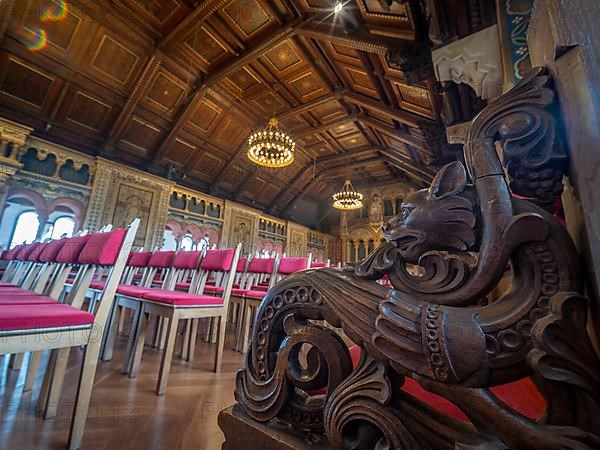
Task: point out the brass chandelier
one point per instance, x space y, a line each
347 199
271 147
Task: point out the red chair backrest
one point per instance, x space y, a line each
187 260
261 265
218 260
288 266
316 265
241 265
34 256
139 259
69 253
102 249
50 252
26 251
161 259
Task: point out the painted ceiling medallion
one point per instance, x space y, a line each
271 147
347 199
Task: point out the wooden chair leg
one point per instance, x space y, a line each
221 325
17 361
165 363
214 330
43 396
185 345
32 370
108 346
131 340
247 322
164 329
193 335
58 377
121 323
84 393
241 326
139 344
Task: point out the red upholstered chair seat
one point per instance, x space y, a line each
183 299
213 289
42 316
98 285
24 299
134 291
238 292
184 286
260 288
5 284
256 294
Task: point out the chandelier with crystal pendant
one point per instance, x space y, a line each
347 199
271 147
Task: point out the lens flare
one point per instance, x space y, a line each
55 11
39 40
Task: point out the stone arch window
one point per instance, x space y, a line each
187 243
26 228
63 226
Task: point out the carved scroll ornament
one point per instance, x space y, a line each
437 325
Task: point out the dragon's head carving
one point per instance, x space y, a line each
442 217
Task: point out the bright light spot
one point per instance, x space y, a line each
338 7
26 228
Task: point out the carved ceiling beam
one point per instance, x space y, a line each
400 115
329 125
219 177
140 89
357 40
403 136
306 107
424 172
184 28
346 155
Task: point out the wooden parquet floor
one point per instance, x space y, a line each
126 414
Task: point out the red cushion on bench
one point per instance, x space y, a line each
183 299
31 317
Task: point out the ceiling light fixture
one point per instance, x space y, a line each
338 7
271 147
347 199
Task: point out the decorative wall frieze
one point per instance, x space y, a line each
474 60
13 132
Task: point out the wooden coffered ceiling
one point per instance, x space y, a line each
181 83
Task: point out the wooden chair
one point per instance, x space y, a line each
38 322
126 299
176 306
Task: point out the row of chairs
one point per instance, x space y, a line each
36 315
165 289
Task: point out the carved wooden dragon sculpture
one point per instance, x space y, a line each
439 327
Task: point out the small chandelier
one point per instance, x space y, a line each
347 198
271 147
